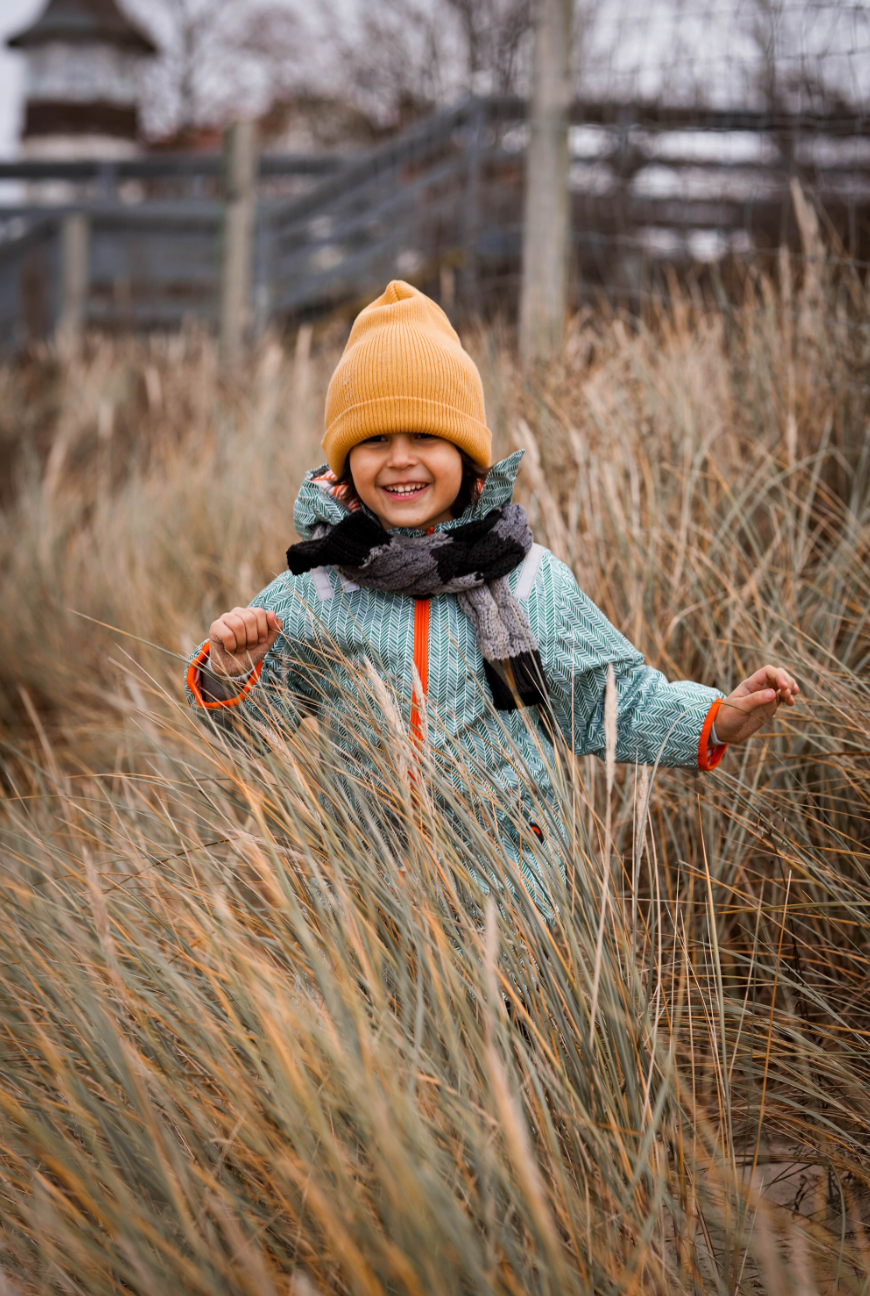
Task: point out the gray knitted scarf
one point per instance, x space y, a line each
471 561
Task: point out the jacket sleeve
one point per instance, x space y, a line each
270 694
657 721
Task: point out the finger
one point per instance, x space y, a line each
735 710
236 622
758 680
275 628
250 631
223 634
241 622
262 624
762 698
787 687
772 677
255 620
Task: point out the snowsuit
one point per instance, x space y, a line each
329 623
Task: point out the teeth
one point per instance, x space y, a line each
405 490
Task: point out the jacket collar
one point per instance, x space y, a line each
321 500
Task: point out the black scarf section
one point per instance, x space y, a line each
471 561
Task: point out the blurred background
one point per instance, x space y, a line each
382 138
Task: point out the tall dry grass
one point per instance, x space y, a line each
255 1041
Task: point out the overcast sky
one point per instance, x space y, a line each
641 48
14 14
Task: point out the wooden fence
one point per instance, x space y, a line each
652 186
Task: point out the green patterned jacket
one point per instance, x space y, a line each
331 627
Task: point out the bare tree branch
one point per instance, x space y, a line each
218 58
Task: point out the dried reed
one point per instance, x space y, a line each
261 1034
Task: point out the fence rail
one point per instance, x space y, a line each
444 197
162 166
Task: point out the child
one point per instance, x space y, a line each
415 559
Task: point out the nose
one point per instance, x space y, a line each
401 451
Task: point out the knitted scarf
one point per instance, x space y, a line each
471 561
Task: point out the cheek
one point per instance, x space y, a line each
361 470
449 474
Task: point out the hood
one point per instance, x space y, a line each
322 501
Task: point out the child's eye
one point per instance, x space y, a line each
375 440
425 436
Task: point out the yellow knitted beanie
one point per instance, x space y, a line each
404 370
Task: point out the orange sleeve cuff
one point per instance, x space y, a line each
193 683
709 757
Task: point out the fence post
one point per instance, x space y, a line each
75 249
544 286
240 201
470 272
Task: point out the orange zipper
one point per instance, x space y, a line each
421 661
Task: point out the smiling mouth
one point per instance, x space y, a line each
409 490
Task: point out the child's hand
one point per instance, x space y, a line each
753 703
240 639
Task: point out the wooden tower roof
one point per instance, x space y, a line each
84 21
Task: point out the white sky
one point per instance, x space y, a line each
14 14
690 48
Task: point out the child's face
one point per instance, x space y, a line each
407 479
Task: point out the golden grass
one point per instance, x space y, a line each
256 1041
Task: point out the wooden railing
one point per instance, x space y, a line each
440 204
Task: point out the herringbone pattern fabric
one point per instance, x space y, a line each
316 665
